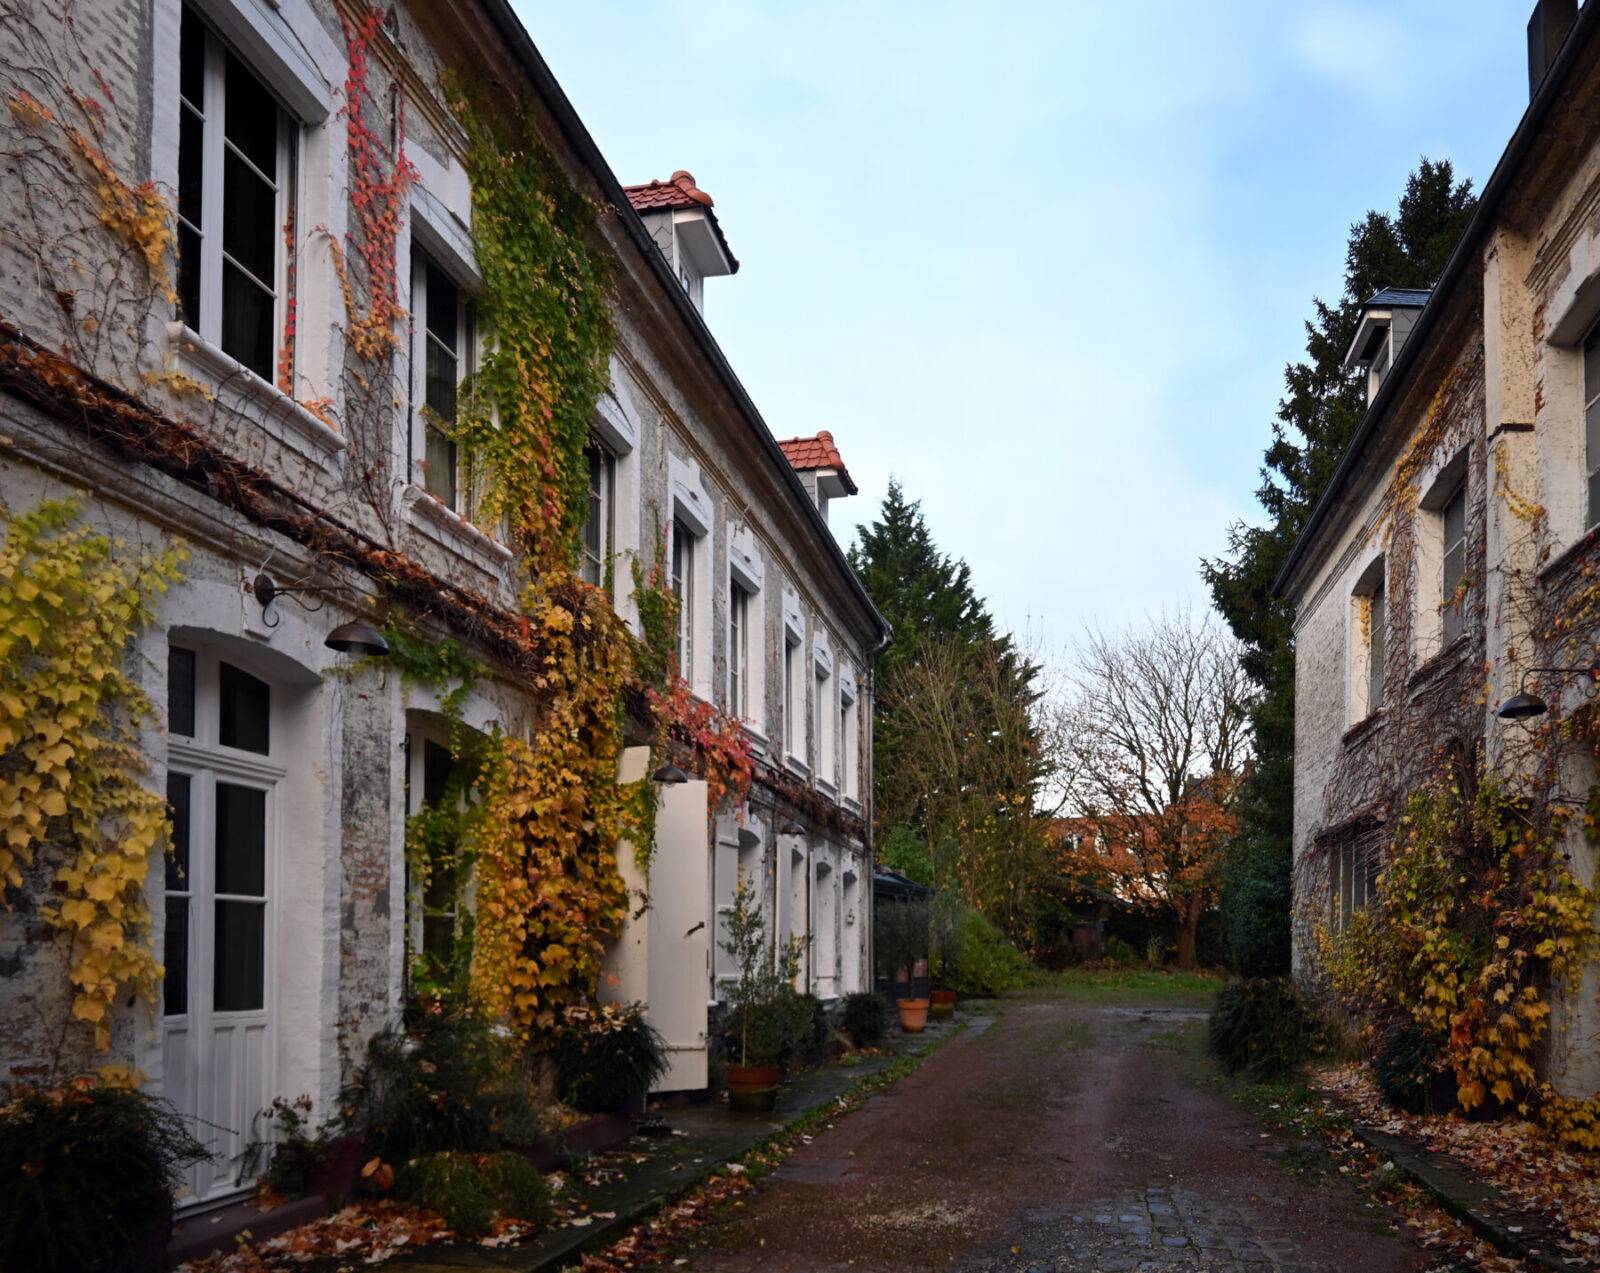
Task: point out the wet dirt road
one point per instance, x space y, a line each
1066 1136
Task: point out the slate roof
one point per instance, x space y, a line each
817 453
1416 297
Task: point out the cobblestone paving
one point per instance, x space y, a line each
1155 1229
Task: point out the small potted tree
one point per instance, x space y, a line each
761 1022
944 954
901 935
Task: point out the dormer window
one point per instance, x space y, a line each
1386 321
821 469
679 217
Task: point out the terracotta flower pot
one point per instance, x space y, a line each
913 1015
752 1089
941 1004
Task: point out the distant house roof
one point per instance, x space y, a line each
1413 296
677 191
817 453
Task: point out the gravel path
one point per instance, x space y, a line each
1065 1137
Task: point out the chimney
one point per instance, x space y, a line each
1547 28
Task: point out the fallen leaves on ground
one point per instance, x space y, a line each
1517 1158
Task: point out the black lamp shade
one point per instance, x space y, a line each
670 774
791 827
357 638
1523 707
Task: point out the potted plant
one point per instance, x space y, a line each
944 954
901 933
608 1057
89 1172
762 1021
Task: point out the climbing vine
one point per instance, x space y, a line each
71 770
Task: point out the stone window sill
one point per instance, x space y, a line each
1440 662
1370 724
450 530
240 390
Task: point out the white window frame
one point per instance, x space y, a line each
595 565
1370 629
207 324
684 588
466 352
1589 418
738 650
822 678
849 742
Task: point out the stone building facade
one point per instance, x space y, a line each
1443 562
214 394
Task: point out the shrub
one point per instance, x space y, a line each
809 1030
443 1080
608 1058
470 1190
84 1170
299 1149
1264 1028
989 964
900 936
765 1021
862 1014
1406 1066
1121 951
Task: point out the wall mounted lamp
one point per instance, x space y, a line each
670 775
791 827
354 637
1525 706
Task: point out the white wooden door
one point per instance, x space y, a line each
217 1055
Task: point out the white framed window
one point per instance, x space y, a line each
849 744
1355 861
825 723
738 651
683 587
794 699
236 172
599 519
1369 666
444 344
1454 520
1591 421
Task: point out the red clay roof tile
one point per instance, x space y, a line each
677 191
817 453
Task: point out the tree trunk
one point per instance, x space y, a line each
1188 928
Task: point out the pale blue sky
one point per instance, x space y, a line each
1045 263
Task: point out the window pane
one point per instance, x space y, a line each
1594 497
245 710
192 58
1591 432
440 475
180 691
188 276
1591 365
436 766
1376 652
241 840
438 942
250 121
249 218
191 140
1455 518
441 378
444 302
175 955
179 794
246 321
239 969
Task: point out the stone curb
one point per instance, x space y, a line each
1483 1208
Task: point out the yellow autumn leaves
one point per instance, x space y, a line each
71 772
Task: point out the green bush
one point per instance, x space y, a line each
470 1190
1264 1028
1121 951
443 1080
989 964
84 1170
608 1058
1406 1066
863 1015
